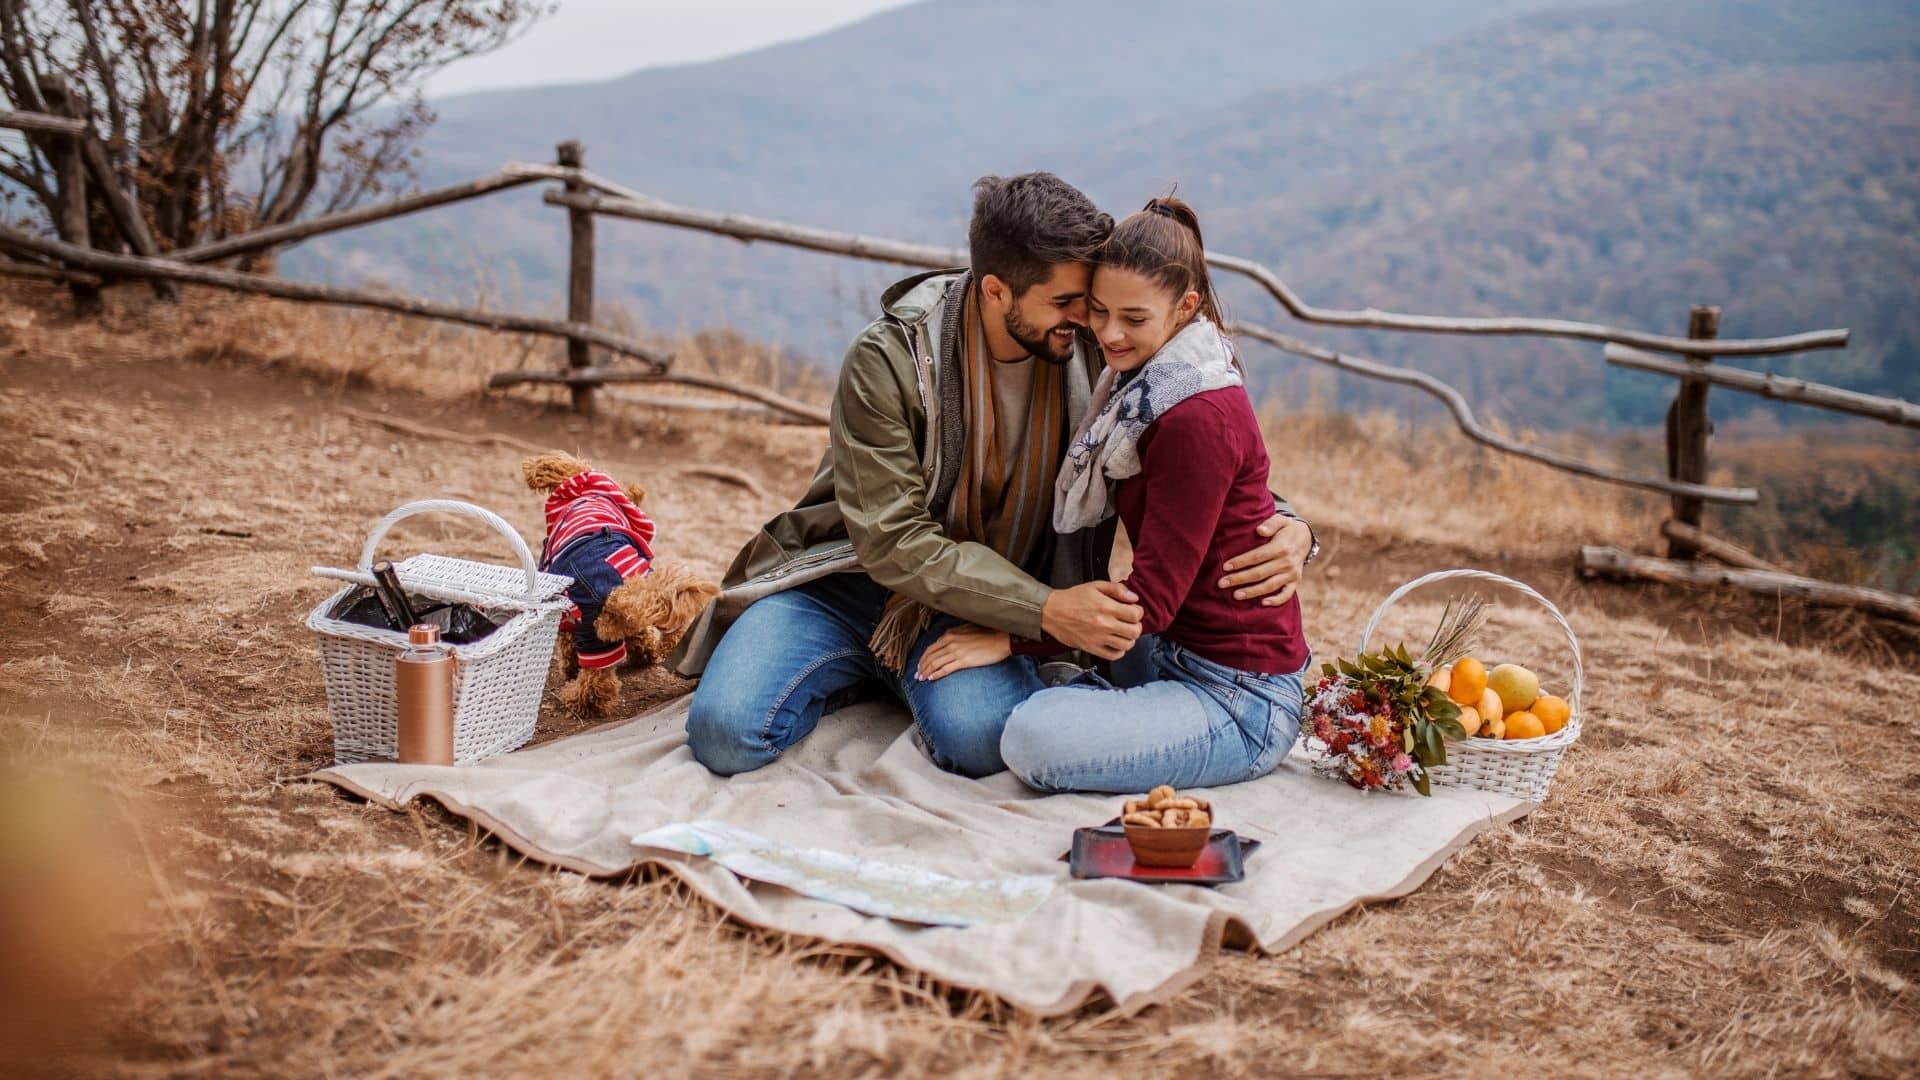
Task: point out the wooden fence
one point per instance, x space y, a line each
85 171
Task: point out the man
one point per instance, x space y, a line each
932 507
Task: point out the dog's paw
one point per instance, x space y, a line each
592 693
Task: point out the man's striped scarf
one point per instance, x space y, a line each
1000 502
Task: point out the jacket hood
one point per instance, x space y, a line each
912 299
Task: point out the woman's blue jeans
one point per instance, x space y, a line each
1169 716
792 655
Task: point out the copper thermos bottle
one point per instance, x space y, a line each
423 682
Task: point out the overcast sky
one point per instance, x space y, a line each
587 40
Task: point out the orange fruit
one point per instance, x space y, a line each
1442 679
1469 682
1553 712
1524 725
1469 719
1490 705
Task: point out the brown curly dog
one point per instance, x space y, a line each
644 615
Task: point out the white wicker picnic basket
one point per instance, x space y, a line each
1521 768
497 680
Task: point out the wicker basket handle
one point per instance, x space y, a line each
464 509
1579 673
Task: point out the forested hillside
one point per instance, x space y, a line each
1614 163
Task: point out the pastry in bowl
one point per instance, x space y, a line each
1165 828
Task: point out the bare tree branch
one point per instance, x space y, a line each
230 114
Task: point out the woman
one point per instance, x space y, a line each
1211 692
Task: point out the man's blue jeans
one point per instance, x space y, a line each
1169 716
774 673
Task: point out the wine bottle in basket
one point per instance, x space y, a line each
393 599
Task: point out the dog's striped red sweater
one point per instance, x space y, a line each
579 509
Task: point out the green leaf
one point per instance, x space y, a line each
1421 785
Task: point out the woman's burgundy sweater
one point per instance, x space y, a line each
1199 497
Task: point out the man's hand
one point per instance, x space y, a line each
1273 569
1100 617
961 648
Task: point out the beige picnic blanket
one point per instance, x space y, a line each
859 785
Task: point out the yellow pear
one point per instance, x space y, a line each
1442 679
1517 687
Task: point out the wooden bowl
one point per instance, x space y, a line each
1176 848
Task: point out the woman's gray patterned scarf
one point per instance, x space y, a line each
1106 448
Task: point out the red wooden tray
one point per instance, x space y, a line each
1103 853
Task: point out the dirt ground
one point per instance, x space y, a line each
1723 879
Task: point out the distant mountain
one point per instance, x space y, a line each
1613 163
879 126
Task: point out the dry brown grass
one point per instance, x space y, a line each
1430 483
1723 881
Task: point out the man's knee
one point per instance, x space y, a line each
722 732
962 731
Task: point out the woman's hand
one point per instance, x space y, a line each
963 647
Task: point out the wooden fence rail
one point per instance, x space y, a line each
1777 387
1456 404
1610 562
1372 319
135 266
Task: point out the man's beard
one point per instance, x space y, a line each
1036 341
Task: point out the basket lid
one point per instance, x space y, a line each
482 579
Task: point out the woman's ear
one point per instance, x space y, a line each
1189 304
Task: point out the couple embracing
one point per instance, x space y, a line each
990 429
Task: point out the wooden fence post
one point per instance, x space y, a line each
70 172
579 275
1688 431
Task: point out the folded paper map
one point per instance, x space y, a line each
892 890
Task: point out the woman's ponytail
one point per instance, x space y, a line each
1163 243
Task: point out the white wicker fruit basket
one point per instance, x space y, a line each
1521 768
497 680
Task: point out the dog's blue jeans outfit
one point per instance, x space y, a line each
598 563
1169 716
791 655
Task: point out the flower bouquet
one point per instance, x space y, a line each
1377 722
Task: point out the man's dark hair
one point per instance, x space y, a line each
1023 225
